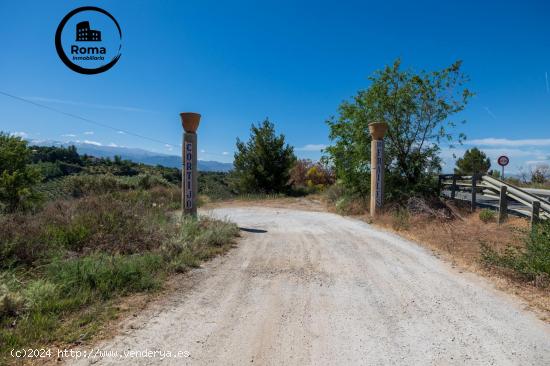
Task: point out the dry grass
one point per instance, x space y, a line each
459 238
309 203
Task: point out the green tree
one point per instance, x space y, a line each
418 108
263 163
17 178
474 161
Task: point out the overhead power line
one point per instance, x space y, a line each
84 119
95 122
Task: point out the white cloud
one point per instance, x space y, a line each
121 132
492 141
311 147
203 151
168 147
20 134
68 135
225 153
92 142
112 144
89 132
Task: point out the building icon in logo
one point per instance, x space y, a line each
84 33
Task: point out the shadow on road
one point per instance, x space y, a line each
250 230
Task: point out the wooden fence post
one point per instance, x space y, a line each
453 187
503 205
535 214
474 193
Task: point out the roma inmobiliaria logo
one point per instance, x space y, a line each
89 40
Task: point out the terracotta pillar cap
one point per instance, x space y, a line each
378 130
190 121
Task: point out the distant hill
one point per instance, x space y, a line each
136 155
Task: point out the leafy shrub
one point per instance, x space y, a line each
17 177
314 176
486 215
531 261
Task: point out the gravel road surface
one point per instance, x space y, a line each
312 288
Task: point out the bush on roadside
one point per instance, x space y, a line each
345 202
17 177
532 261
486 215
311 176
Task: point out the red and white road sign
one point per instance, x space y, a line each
503 160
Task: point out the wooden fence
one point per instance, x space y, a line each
493 188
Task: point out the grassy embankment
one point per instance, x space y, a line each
99 238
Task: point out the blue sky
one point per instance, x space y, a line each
292 61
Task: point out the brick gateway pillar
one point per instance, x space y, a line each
377 131
189 181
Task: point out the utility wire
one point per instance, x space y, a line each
84 119
92 121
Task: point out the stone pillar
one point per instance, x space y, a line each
377 131
189 190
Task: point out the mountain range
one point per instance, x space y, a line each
136 155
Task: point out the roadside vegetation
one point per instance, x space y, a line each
77 234
530 261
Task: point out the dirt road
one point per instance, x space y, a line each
311 288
